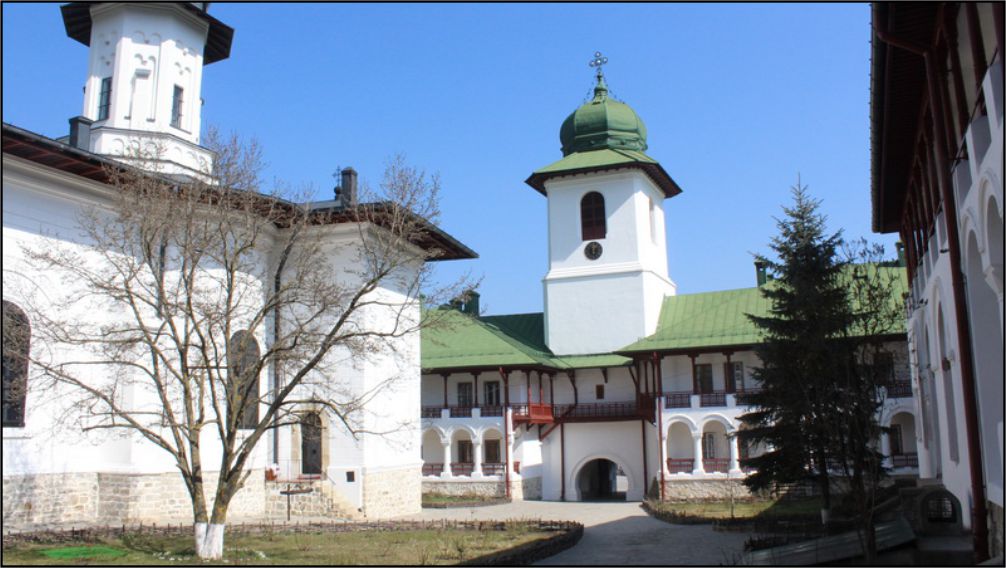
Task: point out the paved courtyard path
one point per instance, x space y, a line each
615 534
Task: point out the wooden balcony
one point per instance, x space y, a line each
533 413
715 465
905 460
679 399
430 411
680 465
899 389
715 398
601 411
433 468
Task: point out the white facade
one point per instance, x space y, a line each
620 292
978 189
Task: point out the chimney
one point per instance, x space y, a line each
901 253
471 305
345 193
80 133
761 272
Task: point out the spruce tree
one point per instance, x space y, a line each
793 412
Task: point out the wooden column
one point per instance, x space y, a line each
728 375
562 460
506 387
475 388
527 384
551 389
444 375
695 377
541 392
646 473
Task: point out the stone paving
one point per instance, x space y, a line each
615 534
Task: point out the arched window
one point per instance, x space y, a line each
310 444
16 341
242 360
592 222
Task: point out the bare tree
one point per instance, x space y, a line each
204 286
865 370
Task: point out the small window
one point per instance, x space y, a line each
708 445
492 451
653 221
895 437
16 343
599 392
592 219
465 395
465 453
105 98
704 377
491 390
176 107
243 361
350 476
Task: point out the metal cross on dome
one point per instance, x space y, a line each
598 61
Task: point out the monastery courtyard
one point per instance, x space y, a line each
615 534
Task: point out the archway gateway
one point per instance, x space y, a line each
601 480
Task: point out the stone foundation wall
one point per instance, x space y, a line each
995 529
116 498
321 502
391 493
685 490
531 488
478 488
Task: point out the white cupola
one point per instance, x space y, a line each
144 80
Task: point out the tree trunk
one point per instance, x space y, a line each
209 541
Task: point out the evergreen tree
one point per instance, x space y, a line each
793 412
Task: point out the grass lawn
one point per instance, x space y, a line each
421 546
760 509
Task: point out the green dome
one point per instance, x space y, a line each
602 123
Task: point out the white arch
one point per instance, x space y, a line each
575 471
897 408
444 438
487 429
688 422
463 428
726 422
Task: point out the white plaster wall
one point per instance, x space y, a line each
622 291
620 442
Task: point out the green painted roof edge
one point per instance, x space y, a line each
605 159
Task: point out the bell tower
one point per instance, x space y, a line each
607 275
144 80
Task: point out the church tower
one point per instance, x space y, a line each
607 275
144 80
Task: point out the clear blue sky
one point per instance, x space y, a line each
737 99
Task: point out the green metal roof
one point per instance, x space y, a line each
719 319
602 123
605 159
460 341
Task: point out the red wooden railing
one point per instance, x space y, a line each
534 412
462 468
679 399
715 464
433 468
905 460
680 465
431 411
743 396
715 398
494 410
899 389
491 468
599 410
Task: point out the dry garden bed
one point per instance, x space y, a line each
392 543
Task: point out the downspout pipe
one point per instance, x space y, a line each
661 460
979 513
507 418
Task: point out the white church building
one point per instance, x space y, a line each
143 87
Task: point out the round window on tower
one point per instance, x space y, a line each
593 250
